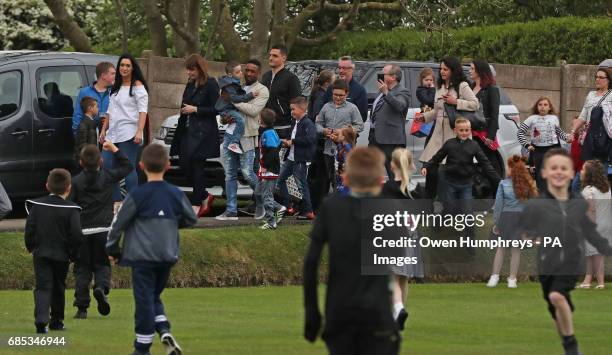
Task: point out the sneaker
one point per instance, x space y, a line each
234 147
268 226
103 305
41 328
227 216
248 210
512 283
206 206
81 314
56 325
172 347
308 216
401 319
260 212
493 281
290 211
278 215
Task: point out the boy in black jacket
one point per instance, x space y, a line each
358 318
269 167
92 189
150 218
559 213
52 235
301 148
86 133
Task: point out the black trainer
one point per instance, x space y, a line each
401 318
81 313
172 347
103 305
136 352
56 325
41 328
248 210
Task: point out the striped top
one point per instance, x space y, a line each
544 131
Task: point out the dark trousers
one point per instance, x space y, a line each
459 200
148 282
537 159
491 155
352 341
298 170
49 291
198 181
316 179
387 150
92 263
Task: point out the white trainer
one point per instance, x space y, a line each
493 281
512 283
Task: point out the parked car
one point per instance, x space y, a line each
366 74
38 90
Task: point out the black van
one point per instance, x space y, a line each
38 90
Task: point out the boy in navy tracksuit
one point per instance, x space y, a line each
52 235
301 148
150 217
269 167
92 189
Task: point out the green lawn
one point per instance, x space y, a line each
444 319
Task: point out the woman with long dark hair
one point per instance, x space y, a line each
127 116
317 93
487 93
453 89
197 135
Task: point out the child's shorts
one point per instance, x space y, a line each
558 283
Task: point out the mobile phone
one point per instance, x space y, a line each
381 77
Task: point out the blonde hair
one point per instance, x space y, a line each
402 159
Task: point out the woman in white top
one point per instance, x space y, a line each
596 190
127 115
452 89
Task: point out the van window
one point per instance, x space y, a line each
10 93
57 89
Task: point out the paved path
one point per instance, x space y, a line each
17 225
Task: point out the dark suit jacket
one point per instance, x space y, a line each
197 135
390 119
489 97
86 134
305 140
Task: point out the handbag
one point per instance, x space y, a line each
597 144
476 118
420 129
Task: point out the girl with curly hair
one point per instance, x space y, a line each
512 194
596 190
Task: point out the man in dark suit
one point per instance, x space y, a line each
388 117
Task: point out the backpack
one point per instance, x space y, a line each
597 142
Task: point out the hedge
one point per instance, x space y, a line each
544 43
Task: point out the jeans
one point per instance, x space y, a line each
298 170
238 132
130 149
148 282
576 184
233 161
265 189
459 200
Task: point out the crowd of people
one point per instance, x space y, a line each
274 133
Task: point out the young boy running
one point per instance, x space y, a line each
559 213
150 218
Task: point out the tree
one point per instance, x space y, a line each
70 29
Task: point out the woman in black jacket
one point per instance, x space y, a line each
197 135
488 94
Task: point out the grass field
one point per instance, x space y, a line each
444 319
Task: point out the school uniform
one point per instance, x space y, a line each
52 235
93 191
358 318
560 266
149 219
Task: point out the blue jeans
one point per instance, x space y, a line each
238 130
130 149
266 190
298 170
233 161
576 184
459 200
148 282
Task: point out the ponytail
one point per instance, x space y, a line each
402 159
